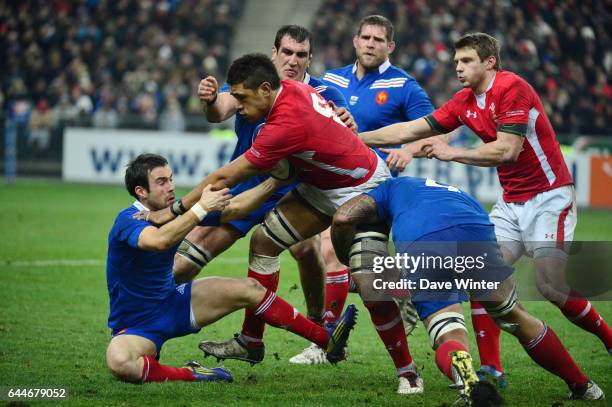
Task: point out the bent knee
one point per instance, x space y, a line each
252 285
252 292
123 368
307 249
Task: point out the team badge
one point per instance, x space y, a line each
382 97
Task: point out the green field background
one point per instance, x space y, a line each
53 330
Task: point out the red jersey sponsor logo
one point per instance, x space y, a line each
382 97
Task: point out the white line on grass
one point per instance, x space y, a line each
90 262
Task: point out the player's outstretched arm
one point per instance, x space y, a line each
504 150
225 177
159 239
399 158
217 107
249 200
360 210
398 133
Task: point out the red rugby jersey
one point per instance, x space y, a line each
303 128
510 105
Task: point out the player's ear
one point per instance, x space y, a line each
274 51
491 61
141 192
265 89
391 46
355 41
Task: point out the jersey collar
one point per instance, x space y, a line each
280 89
306 78
489 86
381 69
481 100
140 206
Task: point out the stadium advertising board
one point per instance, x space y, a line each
100 156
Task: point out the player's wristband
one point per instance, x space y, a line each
199 211
212 102
178 208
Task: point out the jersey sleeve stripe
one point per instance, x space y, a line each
435 126
532 139
338 80
335 81
520 129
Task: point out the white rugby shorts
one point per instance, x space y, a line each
542 226
328 201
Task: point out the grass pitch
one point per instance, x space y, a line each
54 305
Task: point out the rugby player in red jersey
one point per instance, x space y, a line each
537 213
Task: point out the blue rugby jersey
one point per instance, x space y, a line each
138 281
417 207
383 97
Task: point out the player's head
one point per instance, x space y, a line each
148 178
475 55
374 41
254 81
292 51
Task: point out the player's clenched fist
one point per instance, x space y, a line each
208 89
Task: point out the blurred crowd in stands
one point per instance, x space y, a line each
137 63
109 63
562 47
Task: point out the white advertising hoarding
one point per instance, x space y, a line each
95 155
100 156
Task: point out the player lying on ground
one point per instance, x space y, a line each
537 213
428 218
147 307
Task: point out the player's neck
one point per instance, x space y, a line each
361 71
485 83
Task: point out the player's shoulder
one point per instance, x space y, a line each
293 89
127 212
462 96
318 84
505 80
395 77
339 76
124 217
327 91
396 71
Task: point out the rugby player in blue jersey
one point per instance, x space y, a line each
291 54
147 307
378 94
430 220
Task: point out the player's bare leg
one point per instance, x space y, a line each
448 337
199 247
539 341
131 358
384 312
214 297
486 330
334 283
551 283
307 254
290 222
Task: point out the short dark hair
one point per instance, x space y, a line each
484 44
138 170
297 32
253 70
379 20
